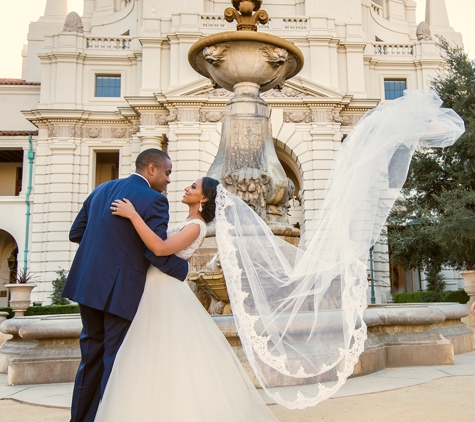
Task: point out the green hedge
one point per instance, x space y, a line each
9 310
459 296
52 310
46 310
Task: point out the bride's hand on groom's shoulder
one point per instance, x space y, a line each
123 208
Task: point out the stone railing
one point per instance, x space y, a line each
393 49
296 24
106 43
377 9
218 21
214 21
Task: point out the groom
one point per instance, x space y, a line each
107 277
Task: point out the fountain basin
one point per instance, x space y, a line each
46 349
269 60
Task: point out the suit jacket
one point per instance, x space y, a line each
109 269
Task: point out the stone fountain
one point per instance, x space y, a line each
246 62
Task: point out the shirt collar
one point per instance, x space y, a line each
137 174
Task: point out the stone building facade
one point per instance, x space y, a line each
98 89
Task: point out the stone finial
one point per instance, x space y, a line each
73 23
423 32
247 14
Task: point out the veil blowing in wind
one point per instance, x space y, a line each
299 310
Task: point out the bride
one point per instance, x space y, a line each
299 312
175 364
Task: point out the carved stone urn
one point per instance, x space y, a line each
248 63
20 297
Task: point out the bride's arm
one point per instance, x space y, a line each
158 246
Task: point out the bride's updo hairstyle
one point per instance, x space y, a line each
208 187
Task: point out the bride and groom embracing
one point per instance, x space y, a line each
149 350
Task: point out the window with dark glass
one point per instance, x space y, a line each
394 88
107 86
11 171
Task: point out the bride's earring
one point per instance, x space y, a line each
200 208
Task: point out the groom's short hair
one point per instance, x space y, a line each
152 155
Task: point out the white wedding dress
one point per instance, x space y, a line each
175 365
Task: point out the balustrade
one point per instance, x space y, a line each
218 21
296 23
106 43
377 9
393 49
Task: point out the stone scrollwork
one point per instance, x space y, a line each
93 132
337 118
251 185
298 117
286 91
275 56
423 32
119 132
211 116
164 119
243 14
215 54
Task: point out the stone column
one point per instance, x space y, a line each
184 143
55 207
148 141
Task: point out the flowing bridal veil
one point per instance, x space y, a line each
299 311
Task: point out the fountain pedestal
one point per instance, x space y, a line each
246 62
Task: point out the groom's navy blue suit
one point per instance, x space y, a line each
107 279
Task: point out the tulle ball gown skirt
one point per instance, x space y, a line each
175 365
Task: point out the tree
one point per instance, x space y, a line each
58 284
439 193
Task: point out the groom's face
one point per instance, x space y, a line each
160 175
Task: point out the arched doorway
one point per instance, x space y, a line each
8 263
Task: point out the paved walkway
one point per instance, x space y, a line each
438 393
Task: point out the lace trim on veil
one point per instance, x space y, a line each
299 311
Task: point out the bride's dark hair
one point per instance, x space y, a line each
208 187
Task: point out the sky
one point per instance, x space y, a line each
16 16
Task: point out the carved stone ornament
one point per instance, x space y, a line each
215 54
423 32
75 132
284 92
52 132
275 56
243 14
215 92
164 119
118 132
211 116
251 185
134 129
337 118
73 23
93 132
298 117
